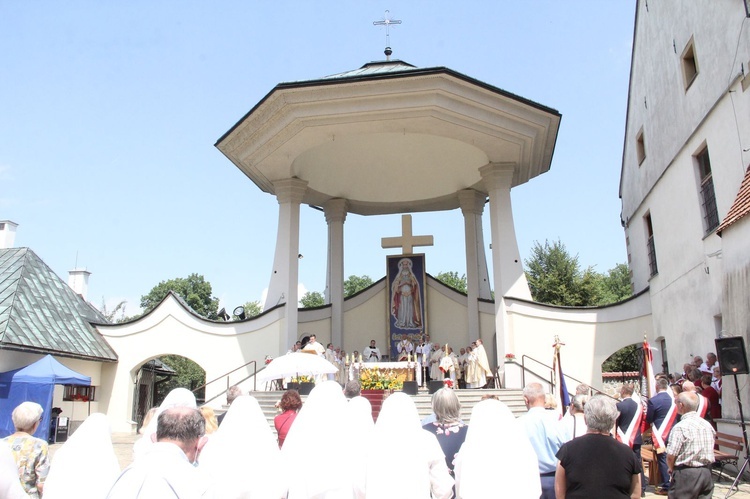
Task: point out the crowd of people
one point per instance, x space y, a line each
185 451
467 368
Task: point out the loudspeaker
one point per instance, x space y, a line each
732 355
410 387
435 385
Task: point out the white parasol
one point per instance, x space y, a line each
295 364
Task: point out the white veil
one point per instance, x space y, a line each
242 458
86 465
10 485
310 451
359 429
406 460
483 465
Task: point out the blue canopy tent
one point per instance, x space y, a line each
35 383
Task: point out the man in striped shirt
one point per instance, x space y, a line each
690 451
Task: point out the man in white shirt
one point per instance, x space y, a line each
371 353
330 356
166 470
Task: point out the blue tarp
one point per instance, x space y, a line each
35 383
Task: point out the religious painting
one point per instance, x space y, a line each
407 315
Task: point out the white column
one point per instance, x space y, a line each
507 276
285 276
477 279
335 212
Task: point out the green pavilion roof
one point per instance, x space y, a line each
40 313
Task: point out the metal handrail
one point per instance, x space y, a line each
255 372
524 369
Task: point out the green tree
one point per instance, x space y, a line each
623 360
252 308
194 289
354 284
312 299
189 375
453 280
555 276
616 286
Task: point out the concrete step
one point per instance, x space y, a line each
512 398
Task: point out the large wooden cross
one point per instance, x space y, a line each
406 241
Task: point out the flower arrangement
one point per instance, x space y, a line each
510 357
375 379
268 359
448 383
302 379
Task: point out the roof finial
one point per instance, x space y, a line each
387 21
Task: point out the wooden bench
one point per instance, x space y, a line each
734 446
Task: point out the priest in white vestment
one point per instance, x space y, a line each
371 353
330 356
86 459
480 367
314 346
435 358
405 349
483 472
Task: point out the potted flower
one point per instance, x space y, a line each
510 357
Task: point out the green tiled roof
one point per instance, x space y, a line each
40 313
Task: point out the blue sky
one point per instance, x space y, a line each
109 112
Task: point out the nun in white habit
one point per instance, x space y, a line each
10 485
407 460
179 397
482 467
358 427
86 465
311 453
242 459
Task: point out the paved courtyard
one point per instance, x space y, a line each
123 446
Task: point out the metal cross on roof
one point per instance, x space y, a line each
387 21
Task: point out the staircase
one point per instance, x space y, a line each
512 398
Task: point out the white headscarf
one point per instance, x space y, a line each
481 464
87 457
179 397
358 427
10 485
242 458
310 452
407 461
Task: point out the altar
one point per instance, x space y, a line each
408 368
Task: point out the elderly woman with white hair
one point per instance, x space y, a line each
447 427
595 464
30 453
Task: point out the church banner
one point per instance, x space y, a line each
407 315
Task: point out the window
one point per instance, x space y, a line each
708 197
640 147
79 393
650 246
689 64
